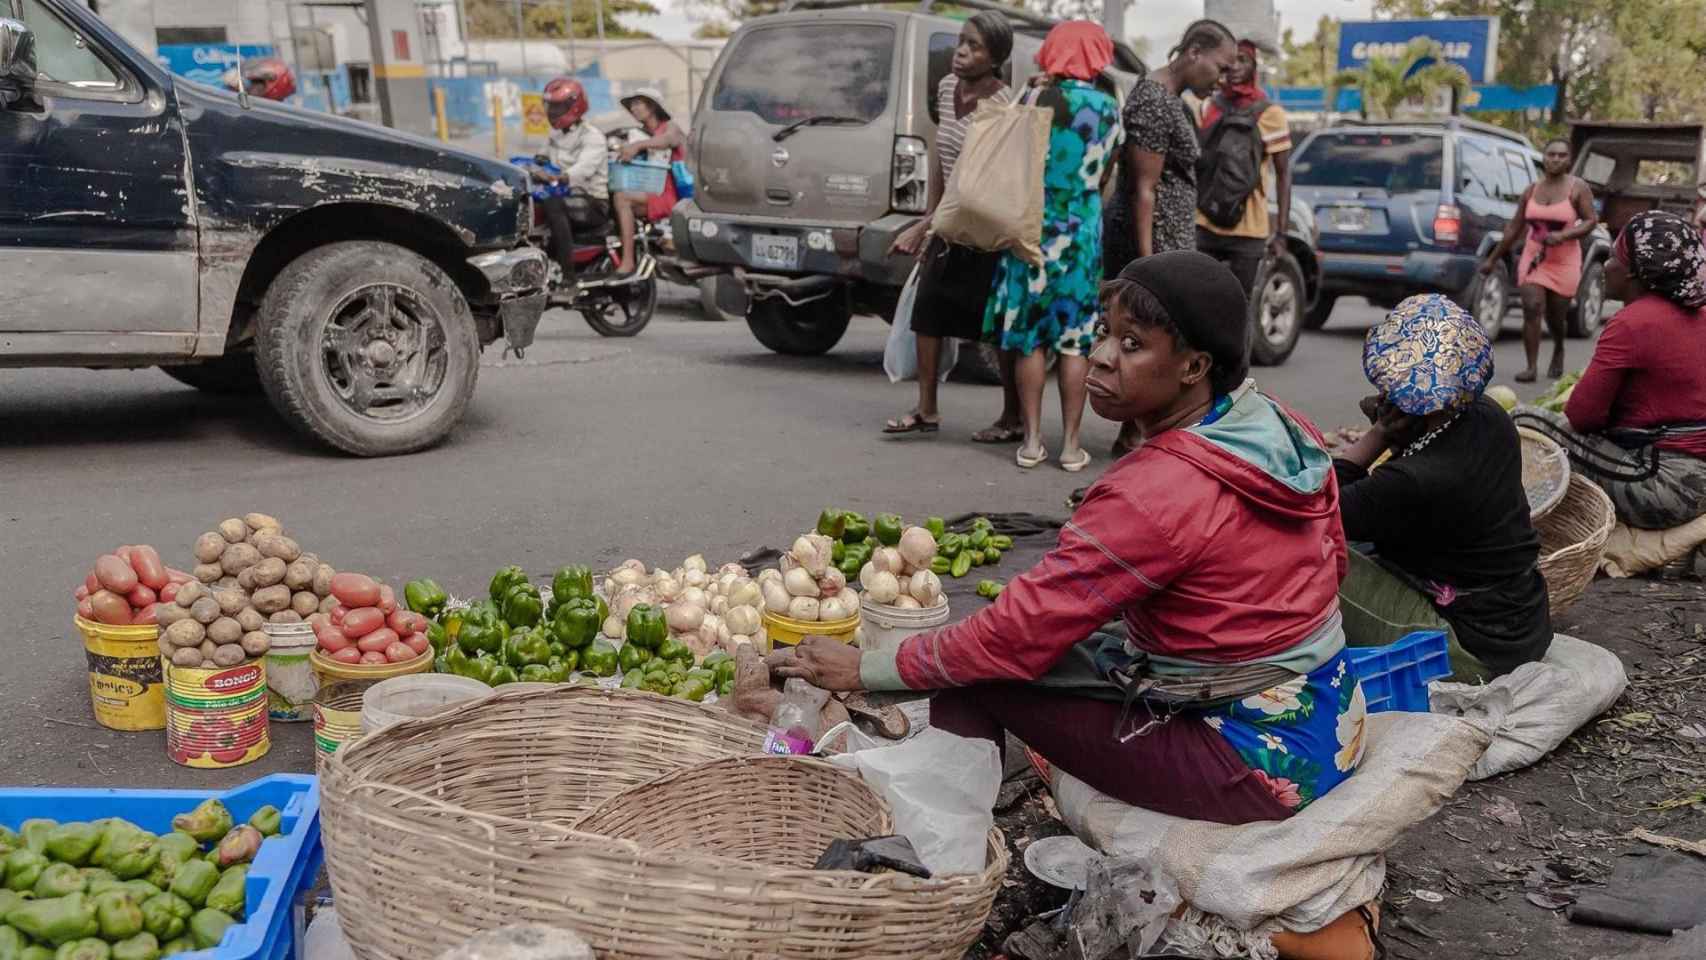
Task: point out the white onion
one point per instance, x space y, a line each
693 595
884 588
634 565
775 597
667 589
735 640
742 619
696 578
684 617
719 605
799 583
832 582
812 551
745 594
925 588
905 602
613 627
803 608
866 572
849 599
733 568
887 560
769 574
917 546
696 562
626 576
832 609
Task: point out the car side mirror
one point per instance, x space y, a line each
17 60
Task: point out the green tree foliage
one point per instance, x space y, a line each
543 19
1313 62
1388 84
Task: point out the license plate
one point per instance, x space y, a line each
1348 219
777 253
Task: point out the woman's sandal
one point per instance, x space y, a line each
996 433
913 422
1527 376
1027 461
1074 466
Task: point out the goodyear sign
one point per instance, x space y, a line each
1469 42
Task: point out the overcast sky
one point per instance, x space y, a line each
1160 21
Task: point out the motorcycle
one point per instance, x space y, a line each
614 305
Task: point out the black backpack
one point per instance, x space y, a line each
1230 167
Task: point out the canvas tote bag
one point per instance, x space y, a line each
994 199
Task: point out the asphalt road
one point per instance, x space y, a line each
689 438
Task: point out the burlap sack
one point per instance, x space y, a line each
994 199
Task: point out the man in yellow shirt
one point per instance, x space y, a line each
1250 123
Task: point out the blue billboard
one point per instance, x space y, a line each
1470 42
207 62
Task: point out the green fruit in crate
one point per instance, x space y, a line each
632 657
227 895
12 942
143 946
35 833
58 880
207 927
58 921
89 948
194 880
23 869
267 820
118 914
72 843
166 915
175 946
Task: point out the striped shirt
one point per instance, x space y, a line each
951 130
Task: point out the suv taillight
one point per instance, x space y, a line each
1448 225
911 179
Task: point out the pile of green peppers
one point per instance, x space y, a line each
110 890
516 635
653 660
958 553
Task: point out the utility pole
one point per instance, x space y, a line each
521 38
569 33
599 13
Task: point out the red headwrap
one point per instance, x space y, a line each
1236 95
1078 49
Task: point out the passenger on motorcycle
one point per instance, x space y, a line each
578 149
666 143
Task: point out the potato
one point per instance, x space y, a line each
312 559
326 605
229 655
186 657
250 619
299 574
271 600
281 547
246 580
238 557
230 601
207 648
261 521
304 603
322 585
208 547
233 530
207 572
166 648
285 616
268 572
189 593
226 583
205 610
167 614
224 630
186 633
255 643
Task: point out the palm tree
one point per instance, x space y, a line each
1388 84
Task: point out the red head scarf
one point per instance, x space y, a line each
1078 49
1236 95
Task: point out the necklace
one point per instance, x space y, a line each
1428 437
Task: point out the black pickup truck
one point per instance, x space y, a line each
352 272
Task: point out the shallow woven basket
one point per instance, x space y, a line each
1572 540
439 828
1545 473
775 811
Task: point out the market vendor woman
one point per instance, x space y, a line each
1441 536
1216 544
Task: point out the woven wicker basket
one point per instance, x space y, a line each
1572 540
1545 472
439 828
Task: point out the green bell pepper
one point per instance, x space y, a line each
58 880
887 528
856 529
227 895
208 927
982 523
535 673
939 566
206 823
479 668
267 820
562 669
961 565
573 582
437 636
633 680
937 527
951 545
599 659
143 946
977 557
657 681
12 943
35 833
631 657
576 623
72 843
725 672
118 914
1001 541
837 552
726 687
481 632
850 567
989 589
527 647
57 921
23 869
646 626
503 673
979 538
175 946
88 948
522 606
194 880
673 650
503 580
425 597
166 915
832 523
695 689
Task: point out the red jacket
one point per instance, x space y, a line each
1648 369
1208 554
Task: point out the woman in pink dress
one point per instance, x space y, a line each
1556 212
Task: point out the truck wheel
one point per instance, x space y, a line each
1277 313
803 331
1487 298
1316 317
231 375
367 347
722 298
1586 312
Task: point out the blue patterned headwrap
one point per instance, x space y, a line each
1429 355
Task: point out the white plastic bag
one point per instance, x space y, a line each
942 788
900 354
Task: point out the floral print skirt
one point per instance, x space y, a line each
1303 737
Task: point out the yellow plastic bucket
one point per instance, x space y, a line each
125 682
337 716
217 718
787 631
331 670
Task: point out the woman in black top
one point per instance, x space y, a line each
1441 532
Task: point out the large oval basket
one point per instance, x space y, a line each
439 828
1572 541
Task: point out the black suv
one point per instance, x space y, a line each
1412 207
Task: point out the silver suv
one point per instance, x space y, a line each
810 147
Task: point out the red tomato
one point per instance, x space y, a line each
375 657
141 596
81 593
177 576
169 592
400 652
109 607
347 655
355 590
145 615
417 642
115 574
146 561
378 640
387 599
362 621
91 584
85 609
338 612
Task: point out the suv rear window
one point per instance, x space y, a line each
1394 162
789 73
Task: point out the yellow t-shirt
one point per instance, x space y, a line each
1275 129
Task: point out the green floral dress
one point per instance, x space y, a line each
1303 737
1055 306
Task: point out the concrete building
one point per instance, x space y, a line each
1255 20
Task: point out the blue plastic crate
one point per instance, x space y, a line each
1395 677
638 176
286 866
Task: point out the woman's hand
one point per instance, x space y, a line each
911 240
1551 240
628 152
1486 267
822 662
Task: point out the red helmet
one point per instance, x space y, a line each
268 77
565 102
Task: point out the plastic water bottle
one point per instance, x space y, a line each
797 721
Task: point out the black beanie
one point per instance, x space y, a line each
1205 301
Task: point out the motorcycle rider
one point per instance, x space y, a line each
577 148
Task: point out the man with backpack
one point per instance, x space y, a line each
1242 135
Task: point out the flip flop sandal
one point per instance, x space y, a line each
912 423
998 435
1077 465
1028 462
